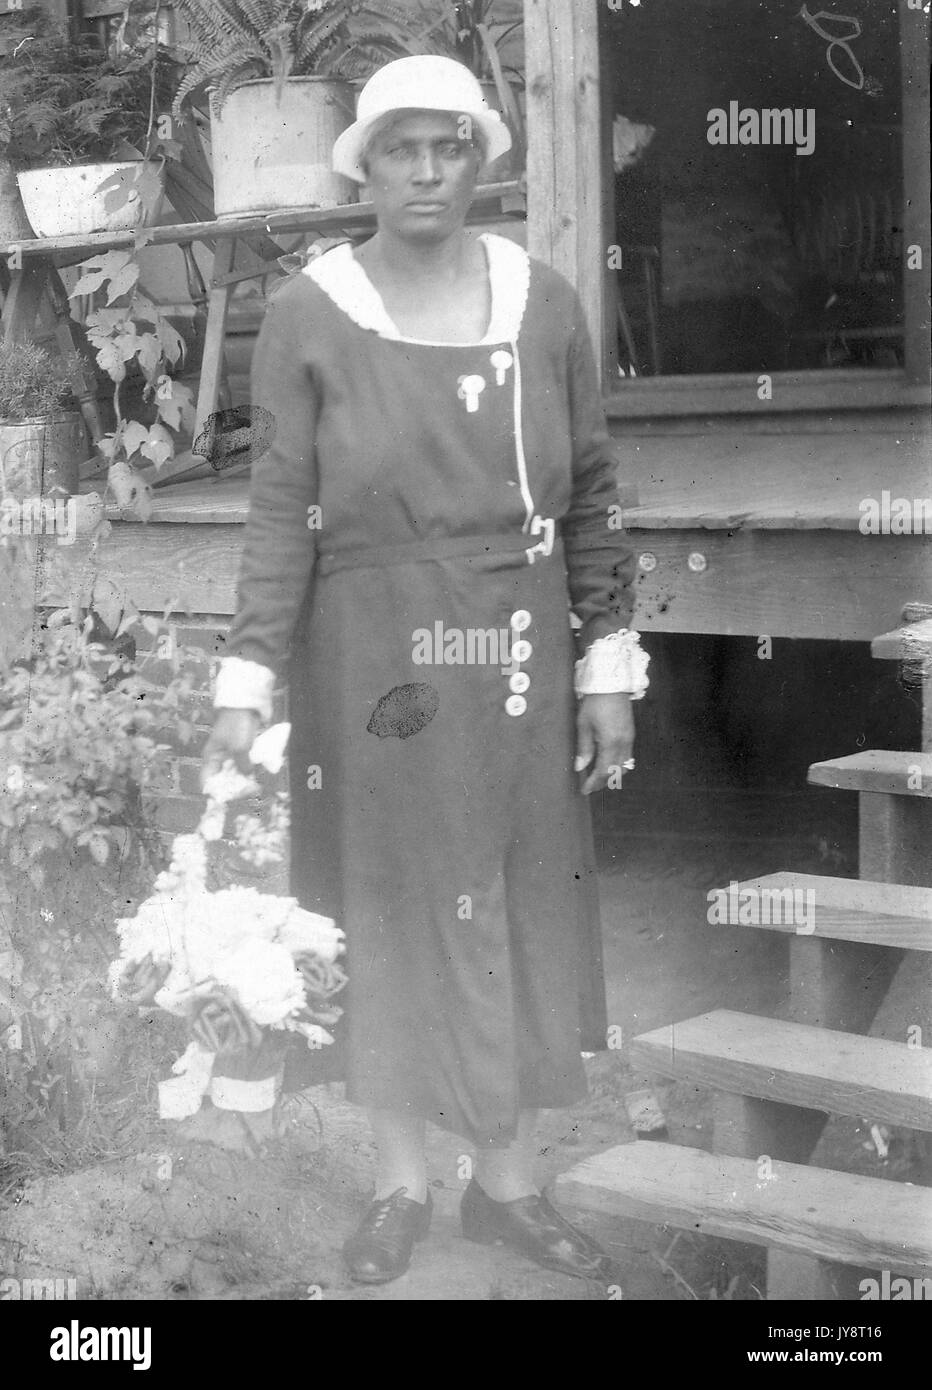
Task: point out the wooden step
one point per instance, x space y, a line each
813 1211
903 774
846 909
913 642
794 1063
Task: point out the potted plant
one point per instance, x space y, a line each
78 126
278 75
478 33
41 431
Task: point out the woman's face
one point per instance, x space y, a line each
422 173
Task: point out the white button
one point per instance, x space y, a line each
521 650
521 620
519 682
515 705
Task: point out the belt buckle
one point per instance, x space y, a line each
548 526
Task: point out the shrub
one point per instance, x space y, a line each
31 382
79 745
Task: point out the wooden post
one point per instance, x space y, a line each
914 67
564 163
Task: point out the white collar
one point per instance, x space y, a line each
343 280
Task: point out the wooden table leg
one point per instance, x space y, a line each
212 363
21 306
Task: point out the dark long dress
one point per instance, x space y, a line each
435 812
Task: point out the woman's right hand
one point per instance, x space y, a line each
233 734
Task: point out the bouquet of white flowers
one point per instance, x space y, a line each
246 969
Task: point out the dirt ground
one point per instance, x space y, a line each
189 1219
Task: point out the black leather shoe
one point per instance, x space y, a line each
381 1248
532 1226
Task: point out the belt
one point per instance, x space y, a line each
443 548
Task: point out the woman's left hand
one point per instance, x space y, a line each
604 732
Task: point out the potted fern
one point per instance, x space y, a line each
278 76
76 124
41 432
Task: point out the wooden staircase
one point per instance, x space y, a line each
775 1082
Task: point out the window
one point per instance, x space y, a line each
107 21
762 219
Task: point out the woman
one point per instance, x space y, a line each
441 477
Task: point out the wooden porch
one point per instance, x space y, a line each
747 528
745 508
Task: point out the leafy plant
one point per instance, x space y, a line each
81 742
31 382
131 329
470 32
235 41
65 103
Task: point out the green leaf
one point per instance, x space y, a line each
170 149
110 359
171 340
160 446
132 493
122 282
135 436
99 270
117 189
127 343
175 403
149 354
104 321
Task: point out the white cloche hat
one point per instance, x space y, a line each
421 83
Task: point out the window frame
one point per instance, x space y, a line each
819 389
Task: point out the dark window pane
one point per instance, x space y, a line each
738 253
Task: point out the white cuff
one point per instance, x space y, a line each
613 665
244 685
